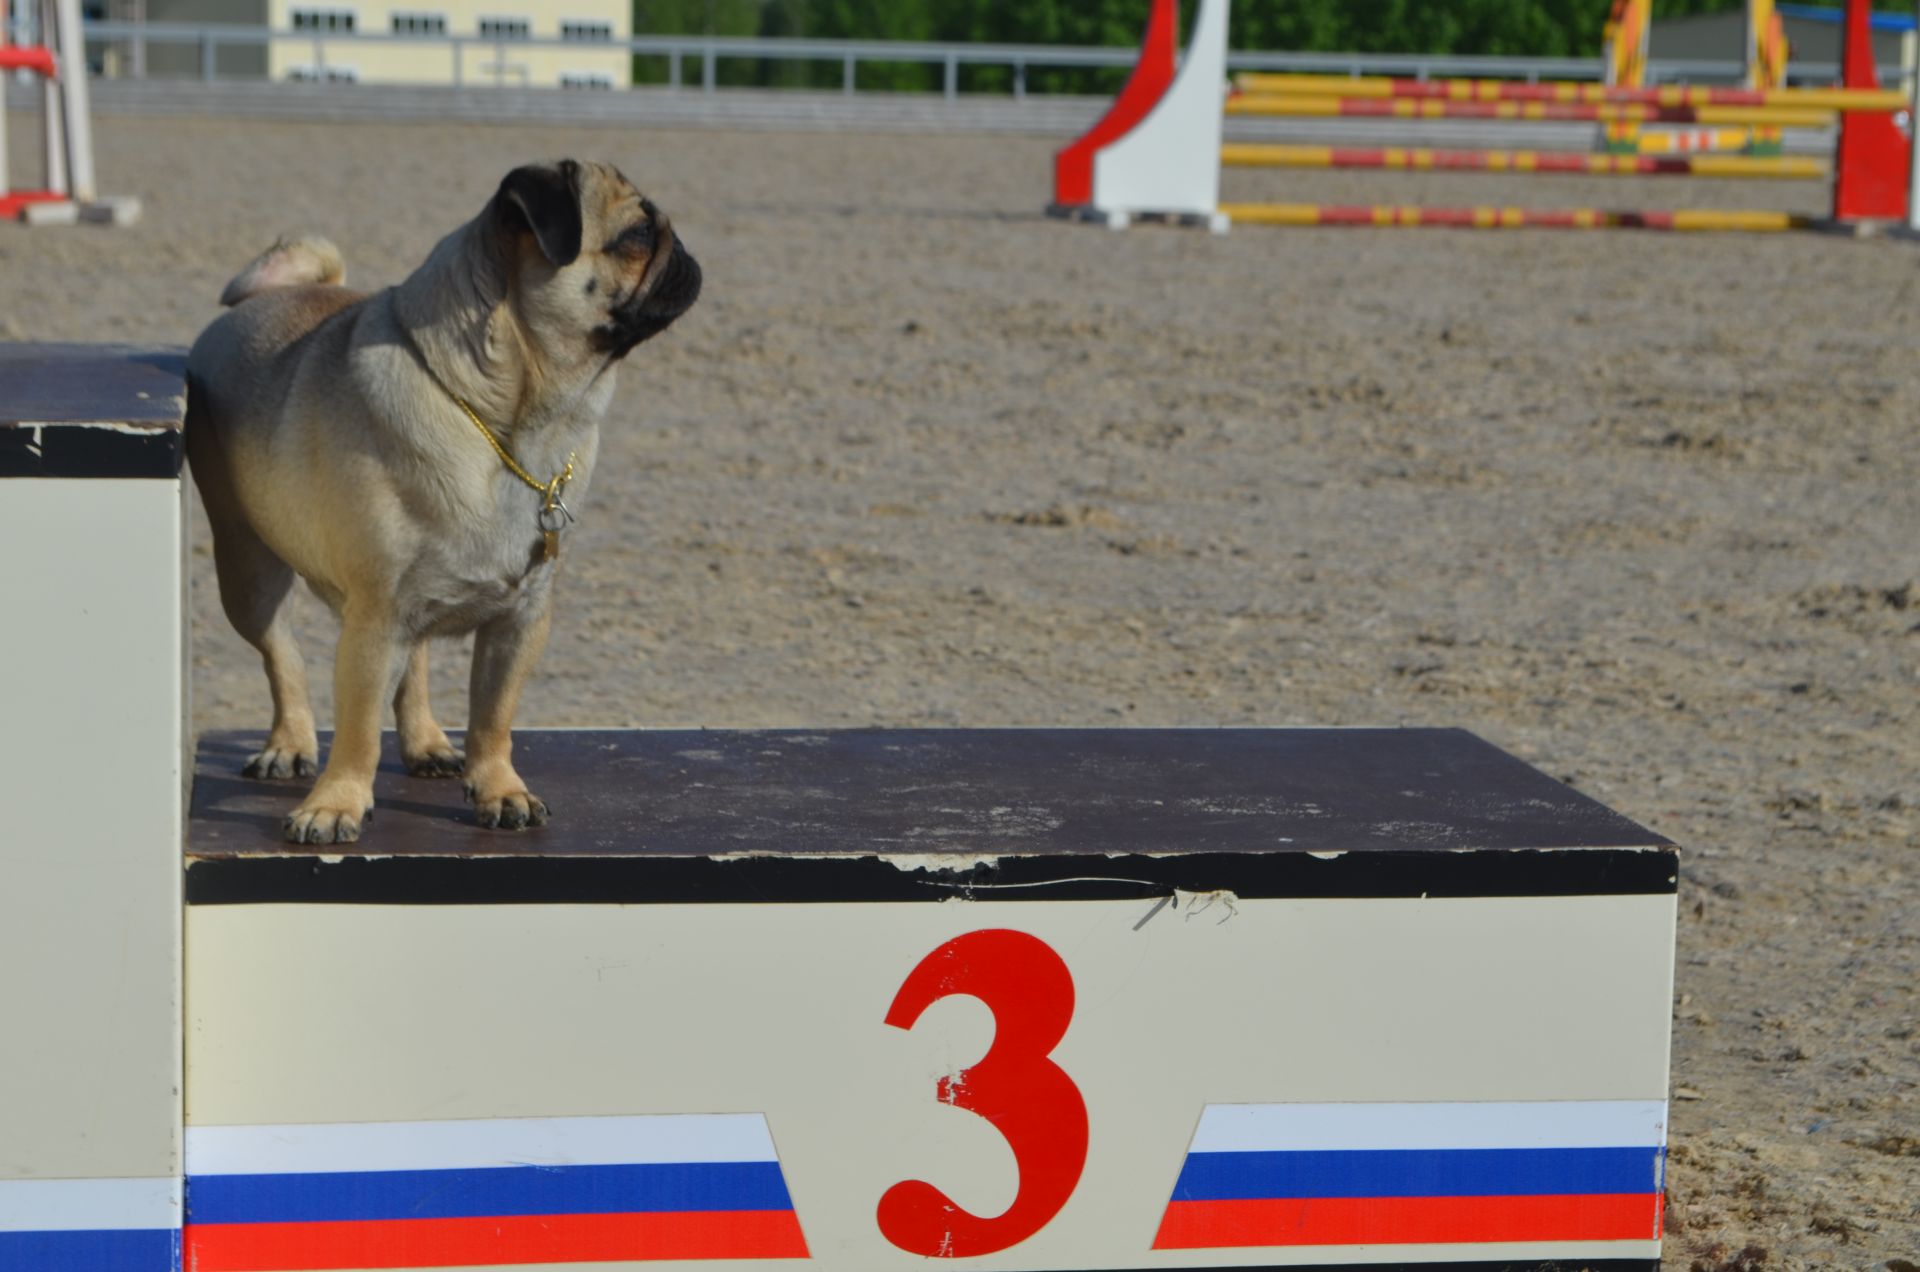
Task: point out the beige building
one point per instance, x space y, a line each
511 43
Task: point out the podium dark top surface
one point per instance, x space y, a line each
91 410
953 791
646 816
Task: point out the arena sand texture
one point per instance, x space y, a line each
1644 510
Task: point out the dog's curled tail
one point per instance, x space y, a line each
288 263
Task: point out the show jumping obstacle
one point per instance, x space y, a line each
1051 999
1870 173
60 61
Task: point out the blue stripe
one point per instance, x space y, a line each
107 1250
1450 1172
471 1194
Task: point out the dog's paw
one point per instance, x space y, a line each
507 810
441 759
281 761
325 821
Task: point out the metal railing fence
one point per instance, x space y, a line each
707 52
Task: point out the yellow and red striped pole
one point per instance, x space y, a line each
1602 112
1566 91
1673 141
1504 218
1257 155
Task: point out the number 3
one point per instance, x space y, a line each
1032 1103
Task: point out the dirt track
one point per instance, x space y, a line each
1644 510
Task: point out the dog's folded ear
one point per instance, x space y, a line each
545 200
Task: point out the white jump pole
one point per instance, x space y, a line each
53 129
6 36
72 83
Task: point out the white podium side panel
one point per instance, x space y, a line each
91 704
375 1038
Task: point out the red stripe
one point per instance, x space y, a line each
1200 1225
1152 75
1346 214
440 1243
27 57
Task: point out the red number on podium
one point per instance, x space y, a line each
1032 1103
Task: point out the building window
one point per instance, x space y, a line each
587 32
419 24
505 29
323 20
324 75
585 79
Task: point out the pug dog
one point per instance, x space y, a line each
418 456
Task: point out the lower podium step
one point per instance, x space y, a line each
1025 999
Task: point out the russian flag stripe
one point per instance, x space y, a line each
89 1205
90 1225
97 1250
462 1194
1414 1174
1471 1172
488 1192
472 1143
1231 1128
439 1243
1191 1225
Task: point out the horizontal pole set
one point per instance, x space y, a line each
1587 112
1884 100
1161 149
1253 155
1507 218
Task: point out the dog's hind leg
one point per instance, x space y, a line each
424 746
256 590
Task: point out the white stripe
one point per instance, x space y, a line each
80 1205
458 1145
1252 1128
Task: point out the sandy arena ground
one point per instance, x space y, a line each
1644 510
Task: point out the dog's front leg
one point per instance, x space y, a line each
365 667
504 652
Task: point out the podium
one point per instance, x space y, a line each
92 766
1009 999
1020 999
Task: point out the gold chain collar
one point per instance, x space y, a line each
554 513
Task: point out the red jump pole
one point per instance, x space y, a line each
1871 163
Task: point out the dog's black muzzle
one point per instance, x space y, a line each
647 316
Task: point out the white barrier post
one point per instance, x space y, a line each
1170 164
1912 47
1166 164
